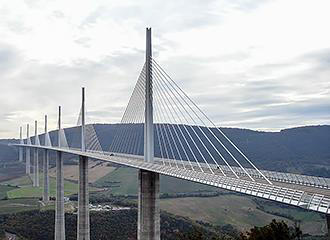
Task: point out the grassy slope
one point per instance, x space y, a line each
311 222
20 181
4 189
236 210
18 205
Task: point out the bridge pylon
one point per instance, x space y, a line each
59 205
148 198
83 227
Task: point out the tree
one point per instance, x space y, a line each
273 231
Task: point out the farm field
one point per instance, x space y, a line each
18 205
97 170
3 191
27 191
20 181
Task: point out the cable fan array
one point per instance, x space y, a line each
184 137
92 142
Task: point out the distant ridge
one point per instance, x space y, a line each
302 149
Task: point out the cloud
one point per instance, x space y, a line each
241 63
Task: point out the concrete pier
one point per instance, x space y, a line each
20 149
36 169
327 216
149 211
83 230
36 157
27 152
45 195
59 205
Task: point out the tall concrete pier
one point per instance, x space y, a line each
83 228
148 202
27 151
327 216
36 156
45 195
20 149
59 206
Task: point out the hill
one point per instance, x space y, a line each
300 150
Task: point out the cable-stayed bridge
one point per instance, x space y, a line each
163 131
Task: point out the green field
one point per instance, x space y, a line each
26 190
238 211
4 189
18 205
21 181
29 191
124 180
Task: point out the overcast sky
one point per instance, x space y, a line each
259 64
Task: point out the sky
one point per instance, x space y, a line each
257 64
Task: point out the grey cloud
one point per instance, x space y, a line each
37 89
164 15
321 58
9 58
247 4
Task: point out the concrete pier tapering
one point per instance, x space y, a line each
148 202
83 228
20 149
27 151
45 195
59 205
36 156
327 216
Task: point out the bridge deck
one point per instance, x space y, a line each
311 193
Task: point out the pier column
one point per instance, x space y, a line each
27 151
148 203
83 228
20 149
83 201
36 156
327 216
148 212
45 196
59 207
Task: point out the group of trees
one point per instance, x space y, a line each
273 231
